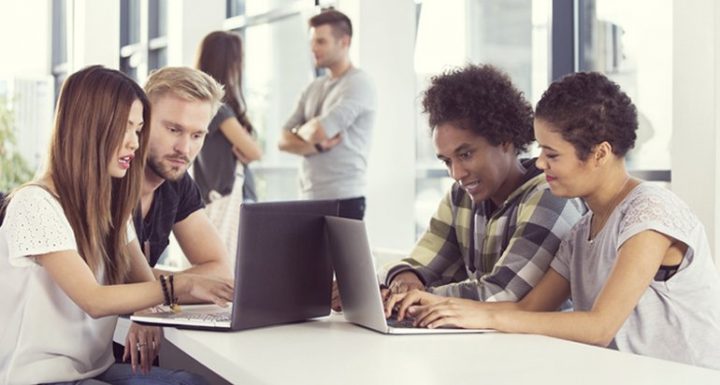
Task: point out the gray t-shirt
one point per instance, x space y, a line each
214 167
677 319
345 105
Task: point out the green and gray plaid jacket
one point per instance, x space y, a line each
499 256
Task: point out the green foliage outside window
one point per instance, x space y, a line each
14 170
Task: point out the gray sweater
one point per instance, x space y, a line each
345 105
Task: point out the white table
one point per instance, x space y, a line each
332 351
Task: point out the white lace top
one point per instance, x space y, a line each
677 319
44 335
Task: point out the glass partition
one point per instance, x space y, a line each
510 34
631 42
278 57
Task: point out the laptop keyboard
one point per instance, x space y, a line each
203 317
405 323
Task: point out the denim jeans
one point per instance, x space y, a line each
353 208
121 374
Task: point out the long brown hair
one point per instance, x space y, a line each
90 125
220 56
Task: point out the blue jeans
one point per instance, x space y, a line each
353 208
121 374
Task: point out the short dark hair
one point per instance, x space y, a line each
587 108
338 21
483 99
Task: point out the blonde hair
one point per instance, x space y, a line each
185 83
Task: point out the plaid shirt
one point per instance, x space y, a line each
472 252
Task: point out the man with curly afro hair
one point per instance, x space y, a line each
638 267
497 229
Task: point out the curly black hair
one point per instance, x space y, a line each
483 99
587 108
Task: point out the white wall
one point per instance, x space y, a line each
95 37
188 22
25 35
24 73
696 111
25 38
384 40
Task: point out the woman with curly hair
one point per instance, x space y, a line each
496 230
637 267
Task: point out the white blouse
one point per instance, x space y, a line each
45 336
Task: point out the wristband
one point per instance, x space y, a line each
166 292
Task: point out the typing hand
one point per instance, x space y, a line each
205 288
402 283
451 312
142 345
400 303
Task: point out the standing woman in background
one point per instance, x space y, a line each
221 167
69 261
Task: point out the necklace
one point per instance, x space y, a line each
605 214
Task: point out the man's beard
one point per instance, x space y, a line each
167 173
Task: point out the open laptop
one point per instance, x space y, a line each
357 281
283 271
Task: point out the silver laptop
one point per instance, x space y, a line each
358 284
283 272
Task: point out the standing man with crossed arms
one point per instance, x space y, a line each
332 125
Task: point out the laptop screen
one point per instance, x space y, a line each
283 271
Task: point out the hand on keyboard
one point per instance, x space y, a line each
407 322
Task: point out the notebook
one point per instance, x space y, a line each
283 272
357 281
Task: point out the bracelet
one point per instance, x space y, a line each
168 288
319 148
166 293
173 299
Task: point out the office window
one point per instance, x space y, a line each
511 34
631 42
157 34
158 18
130 48
281 66
257 7
143 47
235 8
60 54
277 54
